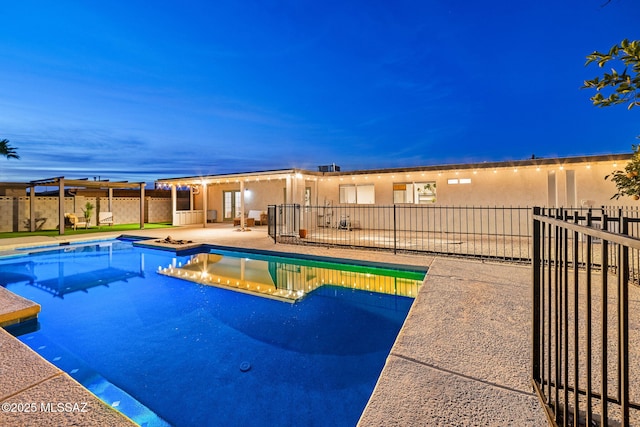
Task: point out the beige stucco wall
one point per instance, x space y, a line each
593 187
524 187
571 182
258 195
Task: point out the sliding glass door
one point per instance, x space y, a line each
231 204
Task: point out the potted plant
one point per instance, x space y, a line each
88 211
303 233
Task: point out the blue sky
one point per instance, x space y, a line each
137 90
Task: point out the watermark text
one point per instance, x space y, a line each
50 407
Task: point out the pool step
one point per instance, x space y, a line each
125 403
15 309
109 393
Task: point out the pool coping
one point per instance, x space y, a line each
16 309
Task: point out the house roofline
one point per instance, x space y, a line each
537 161
235 175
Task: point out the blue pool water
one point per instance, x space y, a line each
170 351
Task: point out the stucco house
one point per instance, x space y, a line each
548 182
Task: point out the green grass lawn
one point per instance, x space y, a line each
90 230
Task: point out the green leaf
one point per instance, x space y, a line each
617 87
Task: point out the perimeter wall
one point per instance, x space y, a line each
15 214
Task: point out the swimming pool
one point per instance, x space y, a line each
169 351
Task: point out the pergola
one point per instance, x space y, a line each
62 183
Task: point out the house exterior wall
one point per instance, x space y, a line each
523 186
258 195
569 182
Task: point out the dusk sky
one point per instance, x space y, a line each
138 90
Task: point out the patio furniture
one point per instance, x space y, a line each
105 218
249 222
260 217
76 220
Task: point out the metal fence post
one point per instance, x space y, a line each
395 230
536 295
588 322
623 274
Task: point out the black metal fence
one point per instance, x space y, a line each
586 315
503 233
482 232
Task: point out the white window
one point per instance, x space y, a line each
360 194
414 192
459 181
402 193
425 192
365 194
347 194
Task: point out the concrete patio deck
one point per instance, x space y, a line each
462 357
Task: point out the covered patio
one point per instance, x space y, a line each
255 189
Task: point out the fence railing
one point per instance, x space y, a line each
482 232
586 316
503 233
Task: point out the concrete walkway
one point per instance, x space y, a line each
462 357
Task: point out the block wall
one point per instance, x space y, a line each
15 211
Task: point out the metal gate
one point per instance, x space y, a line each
586 317
284 221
